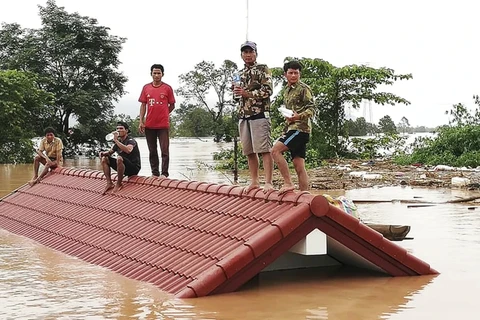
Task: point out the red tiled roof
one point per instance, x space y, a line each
189 238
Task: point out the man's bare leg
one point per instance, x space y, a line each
120 173
299 164
36 166
277 154
253 169
107 173
268 169
48 166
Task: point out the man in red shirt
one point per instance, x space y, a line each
157 102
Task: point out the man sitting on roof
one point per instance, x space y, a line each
49 153
128 161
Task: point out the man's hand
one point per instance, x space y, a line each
239 91
103 154
141 127
293 118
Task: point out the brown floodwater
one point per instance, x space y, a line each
40 283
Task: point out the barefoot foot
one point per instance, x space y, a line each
267 187
286 188
251 187
118 187
32 182
107 187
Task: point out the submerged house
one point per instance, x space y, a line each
194 238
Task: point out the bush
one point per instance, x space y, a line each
226 159
454 146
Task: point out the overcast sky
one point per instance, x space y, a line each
434 40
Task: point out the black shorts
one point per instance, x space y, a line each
130 168
296 141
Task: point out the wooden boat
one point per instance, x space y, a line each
391 232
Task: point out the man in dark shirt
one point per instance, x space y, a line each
128 161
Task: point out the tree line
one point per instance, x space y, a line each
71 63
360 127
68 68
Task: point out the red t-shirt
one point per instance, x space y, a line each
157 100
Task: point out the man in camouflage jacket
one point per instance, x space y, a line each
298 97
254 125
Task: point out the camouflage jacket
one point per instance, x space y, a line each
299 98
257 80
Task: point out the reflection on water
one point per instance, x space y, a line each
316 294
40 283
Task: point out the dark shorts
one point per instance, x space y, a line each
130 168
296 141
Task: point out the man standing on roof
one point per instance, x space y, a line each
51 159
297 97
254 124
127 163
157 102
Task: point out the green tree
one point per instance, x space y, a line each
378 145
460 115
75 59
420 129
456 144
372 128
193 121
357 127
336 87
21 102
386 125
209 87
404 124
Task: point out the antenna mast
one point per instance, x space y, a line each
246 35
